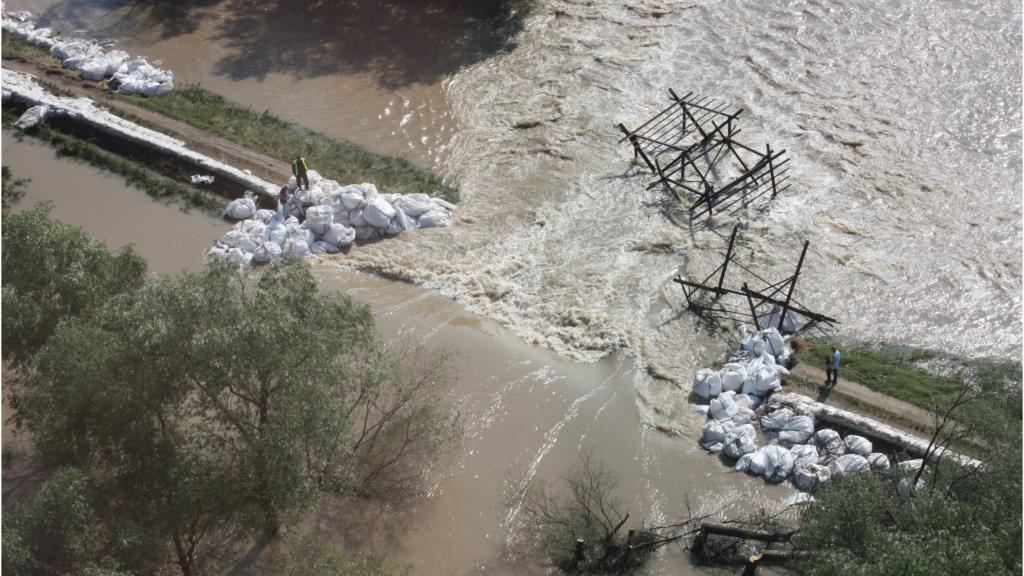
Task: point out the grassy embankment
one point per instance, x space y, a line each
896 371
269 135
265 133
70 145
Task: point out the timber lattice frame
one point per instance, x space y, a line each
688 146
763 301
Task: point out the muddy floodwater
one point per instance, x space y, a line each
109 210
527 412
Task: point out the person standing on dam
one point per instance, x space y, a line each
832 368
299 169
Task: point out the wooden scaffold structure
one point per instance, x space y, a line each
769 304
691 147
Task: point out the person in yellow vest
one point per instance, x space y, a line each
299 169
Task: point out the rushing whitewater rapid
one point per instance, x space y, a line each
903 121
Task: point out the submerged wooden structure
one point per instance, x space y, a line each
691 148
769 304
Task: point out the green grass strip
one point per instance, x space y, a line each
893 370
276 138
155 185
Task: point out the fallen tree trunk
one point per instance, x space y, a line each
734 531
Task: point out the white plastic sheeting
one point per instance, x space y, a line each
32 116
92 59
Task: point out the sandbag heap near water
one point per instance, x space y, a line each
333 216
92 60
787 445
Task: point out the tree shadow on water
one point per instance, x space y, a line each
397 42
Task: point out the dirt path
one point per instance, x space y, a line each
214 146
855 397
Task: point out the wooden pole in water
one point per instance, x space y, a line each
728 256
792 285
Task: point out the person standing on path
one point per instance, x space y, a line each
299 169
832 368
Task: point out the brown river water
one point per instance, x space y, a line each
527 412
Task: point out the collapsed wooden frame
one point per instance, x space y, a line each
691 147
762 302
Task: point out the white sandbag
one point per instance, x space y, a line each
778 463
340 235
742 440
702 410
799 499
848 464
830 445
394 227
776 420
903 487
296 246
32 116
232 237
745 401
378 212
879 462
276 233
403 219
367 233
303 233
415 205
753 463
240 208
319 219
73 49
335 203
797 430
804 455
264 215
102 66
357 218
910 465
266 252
352 197
716 434
810 477
200 179
308 197
434 219
321 247
771 320
238 257
314 178
774 343
723 407
247 245
734 375
857 445
707 383
767 381
743 415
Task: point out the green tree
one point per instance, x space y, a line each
13 188
55 532
220 401
962 521
53 271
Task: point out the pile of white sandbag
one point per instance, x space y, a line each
324 219
91 59
760 377
753 345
